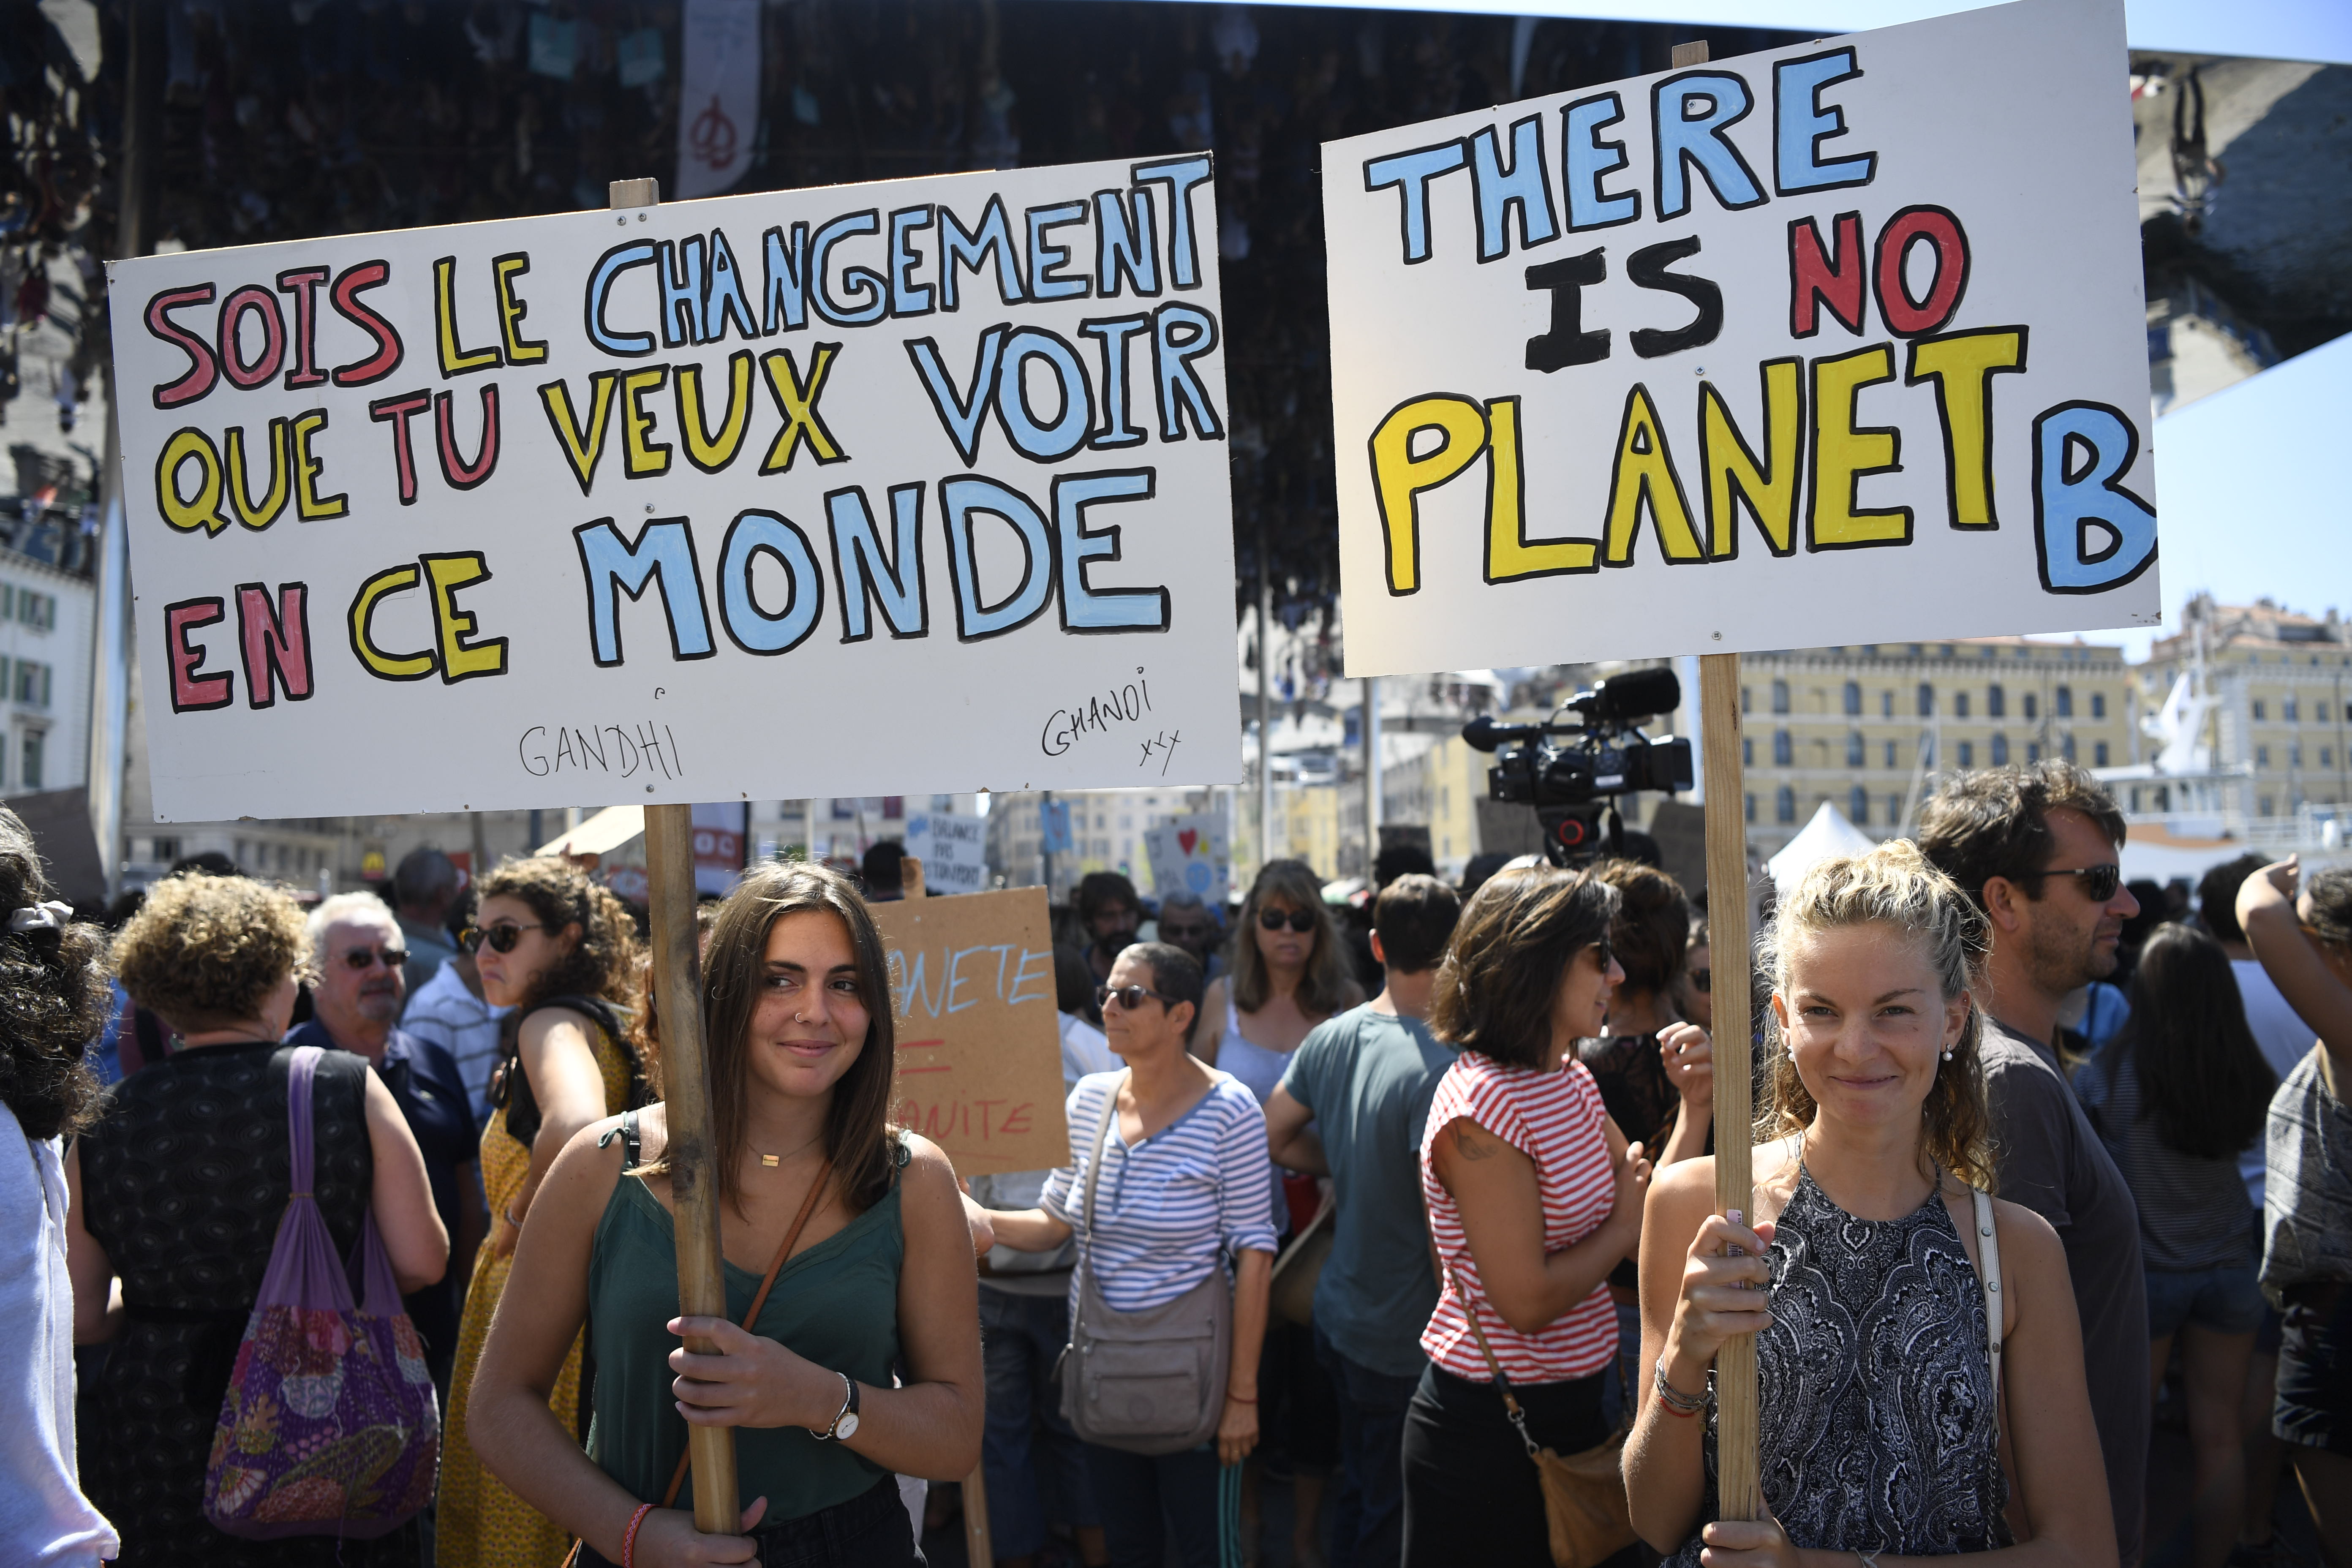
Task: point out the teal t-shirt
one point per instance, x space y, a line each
1368 1078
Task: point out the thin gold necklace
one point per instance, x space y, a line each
772 1160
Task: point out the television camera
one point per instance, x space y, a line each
1572 775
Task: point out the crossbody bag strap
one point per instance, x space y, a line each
1989 1249
1093 1182
775 1267
1502 1385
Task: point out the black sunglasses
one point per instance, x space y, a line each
502 937
1130 997
1300 921
1701 979
365 957
1601 950
2099 882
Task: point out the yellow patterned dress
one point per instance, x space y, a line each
480 1523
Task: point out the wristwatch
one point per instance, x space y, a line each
844 1425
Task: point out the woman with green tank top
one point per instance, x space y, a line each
865 1359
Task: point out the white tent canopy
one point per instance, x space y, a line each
599 834
1828 834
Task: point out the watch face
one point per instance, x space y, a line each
846 1427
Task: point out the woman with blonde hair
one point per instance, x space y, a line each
176 1192
856 1225
562 951
1288 972
1865 1270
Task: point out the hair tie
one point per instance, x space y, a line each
51 915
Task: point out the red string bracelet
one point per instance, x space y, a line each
629 1541
1677 1415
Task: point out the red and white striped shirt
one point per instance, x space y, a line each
1556 1120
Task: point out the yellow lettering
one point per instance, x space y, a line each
642 456
712 453
1845 452
262 513
454 360
1399 477
1510 555
796 399
1769 487
385 665
461 660
202 508
308 504
1962 365
1645 469
582 443
520 350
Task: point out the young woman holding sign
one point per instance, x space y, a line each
561 951
845 1245
1868 1273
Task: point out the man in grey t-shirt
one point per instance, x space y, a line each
2037 848
1364 1080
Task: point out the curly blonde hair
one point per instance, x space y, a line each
205 952
1893 884
604 962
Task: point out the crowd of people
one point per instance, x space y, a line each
2027 1165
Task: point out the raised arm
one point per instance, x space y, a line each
1688 1057
1494 1185
2294 962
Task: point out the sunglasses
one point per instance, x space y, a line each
502 937
365 957
2099 882
1601 950
1128 997
1300 921
1701 979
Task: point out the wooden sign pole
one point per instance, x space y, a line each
686 1086
1738 1493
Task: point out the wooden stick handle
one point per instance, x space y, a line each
1728 940
693 1148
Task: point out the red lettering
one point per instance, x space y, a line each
1834 280
1938 228
303 284
203 370
193 690
1017 1123
277 642
396 411
345 297
252 298
461 475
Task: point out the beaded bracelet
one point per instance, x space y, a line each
629 1541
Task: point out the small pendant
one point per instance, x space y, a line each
771 1161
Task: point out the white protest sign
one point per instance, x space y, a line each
1839 342
673 504
953 851
1191 855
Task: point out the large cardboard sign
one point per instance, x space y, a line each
980 1043
681 503
1835 343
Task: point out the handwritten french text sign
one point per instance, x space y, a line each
673 504
1839 342
953 851
980 1043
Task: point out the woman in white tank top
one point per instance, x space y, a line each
1287 974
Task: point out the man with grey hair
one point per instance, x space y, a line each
1186 922
355 949
424 886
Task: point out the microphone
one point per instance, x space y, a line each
1483 735
1638 693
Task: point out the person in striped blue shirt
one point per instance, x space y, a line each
1182 1190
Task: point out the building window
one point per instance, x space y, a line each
2033 751
1783 751
2098 753
2325 755
1857 805
1784 806
2263 760
1967 753
2294 755
2287 709
1853 753
34 742
1996 701
1926 701
2098 704
2066 746
1959 704
1890 756
2267 803
1853 699
1780 697
2062 702
1747 703
2032 708
1748 750
1894 811
2262 711
2001 751
32 684
1752 808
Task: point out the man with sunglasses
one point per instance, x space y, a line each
2037 848
357 951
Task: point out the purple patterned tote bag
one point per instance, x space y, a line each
329 1426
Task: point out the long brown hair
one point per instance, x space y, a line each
734 975
1324 985
1894 886
603 962
2203 1078
1503 970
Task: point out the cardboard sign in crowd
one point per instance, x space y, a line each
1839 342
904 487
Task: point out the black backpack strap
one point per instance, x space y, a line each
632 1141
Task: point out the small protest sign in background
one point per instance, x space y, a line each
677 503
1191 855
1839 342
980 1043
953 851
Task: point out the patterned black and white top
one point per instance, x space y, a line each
2307 1199
1879 1430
